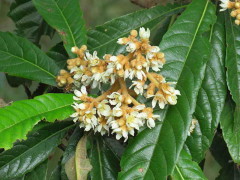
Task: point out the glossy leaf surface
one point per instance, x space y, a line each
105 163
66 17
19 57
230 120
26 155
187 169
103 39
186 51
19 118
211 97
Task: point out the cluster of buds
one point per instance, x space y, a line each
116 110
234 6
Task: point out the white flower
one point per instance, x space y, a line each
94 60
102 127
79 94
89 120
160 99
152 52
224 5
115 63
103 108
78 72
122 132
138 87
192 126
115 99
133 120
86 80
144 34
156 65
131 47
117 112
150 123
120 41
139 74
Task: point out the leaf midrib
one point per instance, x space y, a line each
179 172
66 22
190 47
35 116
114 39
26 61
45 139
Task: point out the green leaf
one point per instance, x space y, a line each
70 150
154 152
39 173
59 55
230 121
187 169
19 57
104 161
66 17
212 95
28 22
103 38
233 58
21 116
26 155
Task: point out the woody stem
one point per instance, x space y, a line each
125 91
113 88
152 79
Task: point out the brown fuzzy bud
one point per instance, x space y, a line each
134 33
233 13
237 22
237 5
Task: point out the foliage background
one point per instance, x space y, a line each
95 13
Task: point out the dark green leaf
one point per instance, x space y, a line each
105 163
21 116
187 169
154 152
26 155
211 97
39 173
103 38
59 55
28 22
230 121
19 57
233 58
66 17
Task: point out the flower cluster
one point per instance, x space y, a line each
235 6
116 110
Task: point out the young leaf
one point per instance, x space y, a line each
103 38
28 22
26 155
230 120
78 166
21 116
66 17
105 163
211 97
70 150
187 169
233 58
154 152
19 57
